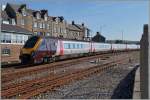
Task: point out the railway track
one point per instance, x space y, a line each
11 75
50 72
29 88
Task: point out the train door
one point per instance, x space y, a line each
61 47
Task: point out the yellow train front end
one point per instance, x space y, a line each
28 50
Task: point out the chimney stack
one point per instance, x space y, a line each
44 11
72 22
82 24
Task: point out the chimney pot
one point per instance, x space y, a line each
72 22
82 24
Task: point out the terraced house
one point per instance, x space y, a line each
40 23
22 22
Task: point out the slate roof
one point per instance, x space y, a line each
15 6
14 28
50 18
79 26
30 11
4 15
73 27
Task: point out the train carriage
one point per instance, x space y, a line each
39 49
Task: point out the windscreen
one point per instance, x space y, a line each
31 42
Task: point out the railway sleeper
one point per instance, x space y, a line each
91 72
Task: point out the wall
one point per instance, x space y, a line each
144 76
14 52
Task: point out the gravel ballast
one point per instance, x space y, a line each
105 85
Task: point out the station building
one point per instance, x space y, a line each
12 40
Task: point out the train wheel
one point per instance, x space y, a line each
53 59
46 60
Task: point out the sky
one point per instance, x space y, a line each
115 19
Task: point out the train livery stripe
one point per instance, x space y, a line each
61 48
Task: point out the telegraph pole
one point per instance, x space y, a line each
122 35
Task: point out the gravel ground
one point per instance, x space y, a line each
80 65
114 83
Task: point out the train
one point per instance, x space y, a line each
44 49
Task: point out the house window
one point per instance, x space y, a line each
24 12
35 24
5 22
13 22
38 16
55 29
43 25
45 17
25 38
47 26
57 20
64 30
78 33
6 38
47 34
5 51
40 25
60 30
22 21
19 39
35 33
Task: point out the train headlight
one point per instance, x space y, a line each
33 53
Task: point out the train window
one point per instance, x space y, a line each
73 46
43 45
31 42
82 45
78 46
55 44
66 46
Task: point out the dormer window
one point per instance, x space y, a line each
24 12
38 15
45 17
13 22
57 20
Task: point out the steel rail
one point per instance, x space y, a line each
20 88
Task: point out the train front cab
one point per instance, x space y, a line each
28 50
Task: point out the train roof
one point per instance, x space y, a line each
66 39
